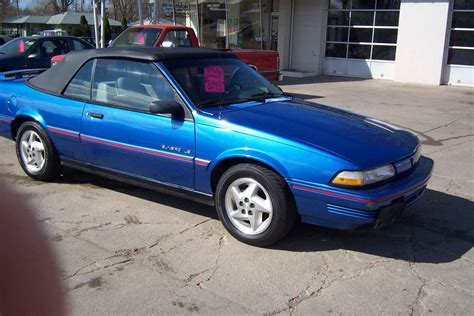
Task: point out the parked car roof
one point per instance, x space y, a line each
55 79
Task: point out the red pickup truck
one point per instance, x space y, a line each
267 62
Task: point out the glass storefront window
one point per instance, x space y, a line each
363 4
385 36
386 18
463 5
339 4
461 42
245 29
362 18
370 32
388 4
213 24
338 18
360 35
336 50
337 34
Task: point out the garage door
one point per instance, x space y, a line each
460 67
361 38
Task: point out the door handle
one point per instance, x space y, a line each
96 115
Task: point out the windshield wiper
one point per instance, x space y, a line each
266 95
219 102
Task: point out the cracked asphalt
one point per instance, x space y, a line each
127 250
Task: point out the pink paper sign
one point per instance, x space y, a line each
214 79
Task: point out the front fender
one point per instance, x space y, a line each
253 154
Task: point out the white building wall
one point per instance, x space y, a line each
422 38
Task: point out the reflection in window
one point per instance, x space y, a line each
338 18
389 18
362 18
363 4
177 38
461 57
360 35
339 4
336 50
463 5
337 34
463 20
385 36
80 85
462 38
359 51
388 4
129 84
384 52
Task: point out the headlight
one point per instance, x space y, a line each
361 178
417 155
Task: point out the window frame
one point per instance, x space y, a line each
351 27
188 113
455 47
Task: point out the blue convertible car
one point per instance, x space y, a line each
203 125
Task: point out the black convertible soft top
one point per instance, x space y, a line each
55 79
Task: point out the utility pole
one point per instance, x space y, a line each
102 24
17 8
156 19
96 29
174 12
140 13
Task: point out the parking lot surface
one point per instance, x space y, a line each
127 250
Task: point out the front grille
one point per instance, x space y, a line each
346 211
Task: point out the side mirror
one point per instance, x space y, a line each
34 55
167 107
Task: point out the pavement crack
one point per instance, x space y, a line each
194 226
441 126
417 304
97 267
216 264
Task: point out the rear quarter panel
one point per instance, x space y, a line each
59 117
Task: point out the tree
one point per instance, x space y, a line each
107 30
84 27
124 23
61 6
124 9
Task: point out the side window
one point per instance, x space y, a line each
129 84
50 48
80 85
178 38
79 45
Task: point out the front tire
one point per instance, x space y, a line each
36 154
255 205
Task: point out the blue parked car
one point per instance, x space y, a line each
203 125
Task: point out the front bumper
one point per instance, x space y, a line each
342 208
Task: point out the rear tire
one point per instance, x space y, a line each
36 154
255 205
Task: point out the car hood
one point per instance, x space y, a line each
363 141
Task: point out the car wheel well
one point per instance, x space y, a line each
224 165
17 123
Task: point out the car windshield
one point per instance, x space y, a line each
16 47
137 37
220 81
